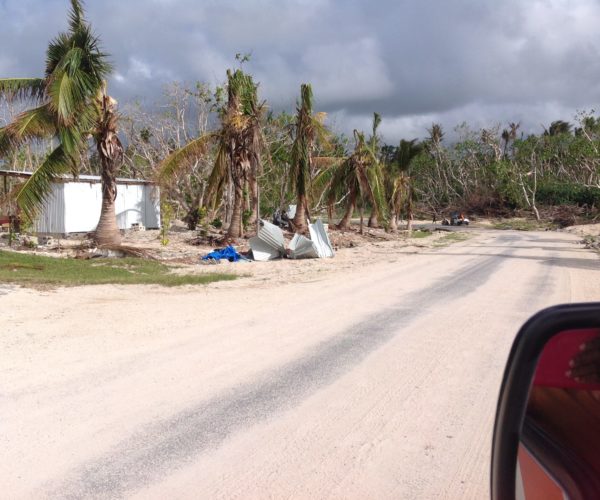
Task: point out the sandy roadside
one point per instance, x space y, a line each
89 374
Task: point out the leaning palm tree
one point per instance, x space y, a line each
72 106
239 143
357 176
309 128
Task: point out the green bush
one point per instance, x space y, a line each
166 213
568 194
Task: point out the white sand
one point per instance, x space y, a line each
262 387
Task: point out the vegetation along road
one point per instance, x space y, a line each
380 382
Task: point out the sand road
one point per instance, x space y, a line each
378 382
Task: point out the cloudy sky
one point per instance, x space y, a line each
415 62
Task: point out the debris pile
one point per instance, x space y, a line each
269 243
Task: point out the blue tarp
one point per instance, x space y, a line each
228 253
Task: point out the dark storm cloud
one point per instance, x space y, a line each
413 61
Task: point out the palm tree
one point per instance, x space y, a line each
239 147
359 175
436 134
434 145
399 183
558 127
309 127
72 106
110 152
374 144
509 135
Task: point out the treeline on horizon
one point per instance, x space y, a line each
296 158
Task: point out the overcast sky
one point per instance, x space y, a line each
414 61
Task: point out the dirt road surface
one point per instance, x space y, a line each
375 382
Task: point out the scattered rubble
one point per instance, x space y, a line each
269 243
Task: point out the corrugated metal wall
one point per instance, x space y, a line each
152 206
74 207
130 205
52 218
83 201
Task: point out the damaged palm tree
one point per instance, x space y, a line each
374 145
359 175
399 183
239 144
309 127
110 152
72 106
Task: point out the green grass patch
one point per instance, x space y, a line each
34 270
522 225
450 238
420 234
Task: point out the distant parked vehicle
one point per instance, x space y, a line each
456 219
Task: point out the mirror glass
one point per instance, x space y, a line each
559 451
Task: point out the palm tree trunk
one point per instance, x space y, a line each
345 222
299 221
228 205
409 211
362 219
107 231
235 227
393 221
110 151
253 188
373 219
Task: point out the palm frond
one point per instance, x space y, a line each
242 92
376 182
23 88
407 150
73 143
5 142
327 162
67 96
78 54
35 191
57 48
340 181
183 156
328 183
218 175
300 171
320 132
35 123
76 19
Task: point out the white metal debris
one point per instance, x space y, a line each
272 235
320 238
291 211
262 251
269 243
302 248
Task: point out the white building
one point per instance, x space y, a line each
74 204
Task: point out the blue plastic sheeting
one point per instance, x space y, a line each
228 253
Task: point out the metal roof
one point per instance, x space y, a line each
92 179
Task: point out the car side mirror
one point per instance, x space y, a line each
546 440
